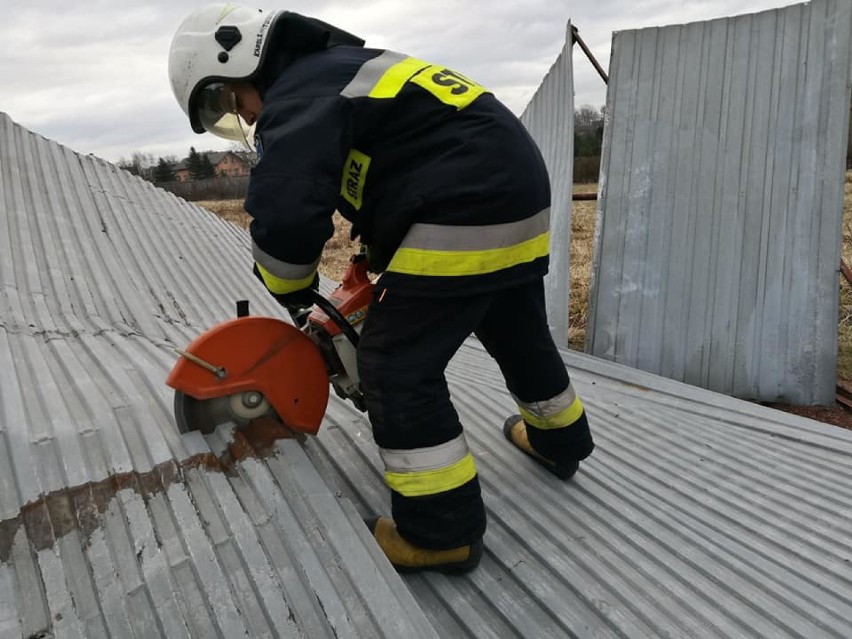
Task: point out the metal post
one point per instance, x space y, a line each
576 36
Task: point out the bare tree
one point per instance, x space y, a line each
139 164
588 116
245 151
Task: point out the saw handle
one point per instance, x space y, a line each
329 309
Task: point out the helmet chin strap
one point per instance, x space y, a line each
249 146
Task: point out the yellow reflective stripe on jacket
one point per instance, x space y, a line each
283 277
562 419
384 76
432 482
370 73
281 286
415 261
392 80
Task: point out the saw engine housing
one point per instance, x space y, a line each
335 327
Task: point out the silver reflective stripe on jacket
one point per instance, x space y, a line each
440 237
370 73
283 270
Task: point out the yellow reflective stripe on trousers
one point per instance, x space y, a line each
409 460
562 419
545 407
415 261
281 286
432 482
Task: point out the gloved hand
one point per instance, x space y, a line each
377 261
296 301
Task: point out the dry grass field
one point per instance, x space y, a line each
340 248
337 249
844 335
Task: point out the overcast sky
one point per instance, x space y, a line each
93 75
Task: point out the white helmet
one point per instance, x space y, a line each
217 44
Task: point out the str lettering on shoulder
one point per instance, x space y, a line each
354 175
449 86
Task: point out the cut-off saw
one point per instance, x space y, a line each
251 367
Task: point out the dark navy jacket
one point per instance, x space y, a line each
441 181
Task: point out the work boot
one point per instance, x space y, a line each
515 430
407 557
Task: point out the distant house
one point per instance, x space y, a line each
181 171
230 163
226 164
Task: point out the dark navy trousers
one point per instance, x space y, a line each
405 346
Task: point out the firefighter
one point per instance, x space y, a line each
451 197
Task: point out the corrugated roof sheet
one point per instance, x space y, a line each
718 238
698 515
111 523
549 117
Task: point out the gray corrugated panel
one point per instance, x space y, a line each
698 515
718 234
111 523
549 118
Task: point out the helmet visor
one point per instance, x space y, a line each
217 113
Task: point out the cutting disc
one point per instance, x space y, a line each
206 414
